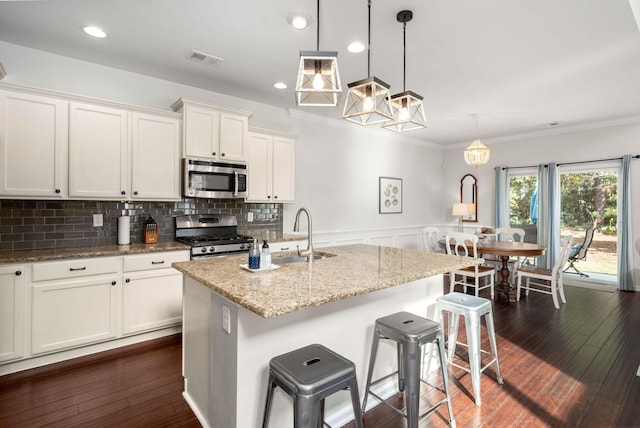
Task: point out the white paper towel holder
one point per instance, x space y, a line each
124 227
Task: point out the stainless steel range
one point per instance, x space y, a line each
211 235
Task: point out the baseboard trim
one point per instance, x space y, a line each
89 354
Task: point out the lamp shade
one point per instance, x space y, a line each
460 209
408 113
318 82
476 154
367 102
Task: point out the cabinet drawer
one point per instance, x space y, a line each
161 260
75 268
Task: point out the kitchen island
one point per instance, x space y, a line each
235 321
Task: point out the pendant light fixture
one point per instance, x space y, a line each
408 113
368 99
318 82
477 153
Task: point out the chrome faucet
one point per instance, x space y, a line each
296 228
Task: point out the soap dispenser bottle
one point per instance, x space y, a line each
254 255
265 256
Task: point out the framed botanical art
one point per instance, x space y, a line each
390 195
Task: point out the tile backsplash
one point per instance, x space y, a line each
26 225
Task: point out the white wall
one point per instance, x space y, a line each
337 162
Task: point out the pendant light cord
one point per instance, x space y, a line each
318 29
369 41
404 56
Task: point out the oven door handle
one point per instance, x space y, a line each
235 185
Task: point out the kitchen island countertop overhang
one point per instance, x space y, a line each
355 270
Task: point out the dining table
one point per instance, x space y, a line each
505 250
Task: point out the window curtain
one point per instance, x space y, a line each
549 213
625 277
502 197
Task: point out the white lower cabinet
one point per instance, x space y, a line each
11 312
67 314
50 310
73 303
152 292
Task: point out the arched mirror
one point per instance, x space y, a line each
469 195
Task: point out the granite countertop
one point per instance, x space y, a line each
356 270
25 256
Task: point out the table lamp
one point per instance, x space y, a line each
460 210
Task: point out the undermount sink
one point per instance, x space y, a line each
297 259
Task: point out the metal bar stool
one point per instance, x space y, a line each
472 308
410 332
309 375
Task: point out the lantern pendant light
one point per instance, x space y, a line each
318 82
408 113
477 153
368 99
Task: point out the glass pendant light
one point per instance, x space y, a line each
318 82
477 153
408 113
368 99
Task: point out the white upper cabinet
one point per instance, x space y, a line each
98 152
33 146
118 154
213 133
271 166
155 156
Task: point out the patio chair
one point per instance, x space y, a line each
579 252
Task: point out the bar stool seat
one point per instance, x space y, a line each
410 332
472 308
309 375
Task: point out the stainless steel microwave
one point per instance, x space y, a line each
206 179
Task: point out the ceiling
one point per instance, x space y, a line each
517 65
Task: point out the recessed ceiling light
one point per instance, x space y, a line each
355 47
553 123
299 22
94 31
280 85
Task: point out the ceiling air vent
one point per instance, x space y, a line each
205 58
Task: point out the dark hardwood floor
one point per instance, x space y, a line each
573 367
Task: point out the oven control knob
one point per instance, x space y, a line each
212 249
242 246
204 250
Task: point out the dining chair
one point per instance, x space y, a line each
430 236
466 244
543 280
514 234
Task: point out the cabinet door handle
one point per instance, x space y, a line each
158 263
123 193
127 280
135 193
214 153
113 283
18 272
275 197
284 248
77 269
57 190
222 154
